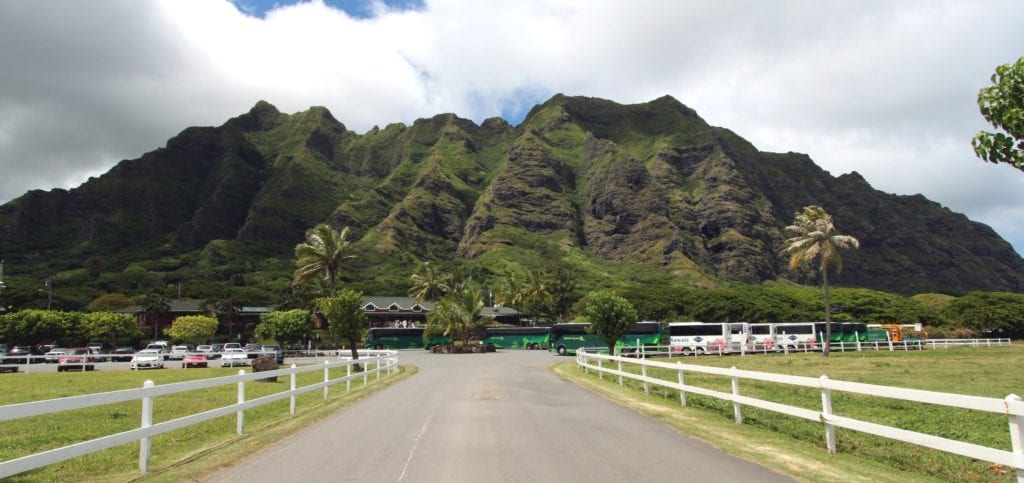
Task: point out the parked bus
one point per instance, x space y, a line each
715 337
853 331
402 338
648 334
796 335
566 338
837 331
518 337
762 336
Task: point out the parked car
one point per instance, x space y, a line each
194 359
122 354
178 352
159 348
18 354
54 354
234 357
231 345
273 351
148 358
78 358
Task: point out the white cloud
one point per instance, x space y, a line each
884 88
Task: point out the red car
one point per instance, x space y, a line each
194 360
77 359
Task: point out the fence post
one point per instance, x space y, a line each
1017 434
682 393
240 414
600 370
378 367
147 421
826 410
643 372
348 378
327 378
857 335
736 392
620 373
365 373
291 400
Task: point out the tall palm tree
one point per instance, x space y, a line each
815 236
561 287
321 255
427 283
224 310
155 305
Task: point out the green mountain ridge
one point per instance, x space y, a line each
624 194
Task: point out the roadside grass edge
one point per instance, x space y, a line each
781 453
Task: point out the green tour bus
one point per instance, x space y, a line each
403 338
566 338
854 330
647 334
518 337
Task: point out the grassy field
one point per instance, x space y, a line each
170 451
992 372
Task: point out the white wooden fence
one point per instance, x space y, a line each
1012 405
376 362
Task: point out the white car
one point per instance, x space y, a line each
234 357
178 352
149 358
54 354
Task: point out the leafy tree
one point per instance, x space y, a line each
153 306
610 316
345 317
932 307
286 327
192 328
1002 104
816 237
109 302
109 327
32 326
456 315
321 255
94 267
456 282
427 283
988 312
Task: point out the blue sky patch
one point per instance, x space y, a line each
354 8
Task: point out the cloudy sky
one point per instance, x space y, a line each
886 88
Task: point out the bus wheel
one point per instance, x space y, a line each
687 351
561 350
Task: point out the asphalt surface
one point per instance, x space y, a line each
490 417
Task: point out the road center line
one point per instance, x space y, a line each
415 443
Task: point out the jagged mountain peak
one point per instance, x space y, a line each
605 188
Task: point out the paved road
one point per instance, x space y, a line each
490 417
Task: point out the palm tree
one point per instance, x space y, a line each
456 315
561 287
321 255
816 236
155 305
427 283
224 310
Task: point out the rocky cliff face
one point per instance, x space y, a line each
647 185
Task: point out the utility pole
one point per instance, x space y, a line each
49 294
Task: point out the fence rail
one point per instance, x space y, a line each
376 362
1012 406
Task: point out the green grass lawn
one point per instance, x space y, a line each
992 372
31 435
